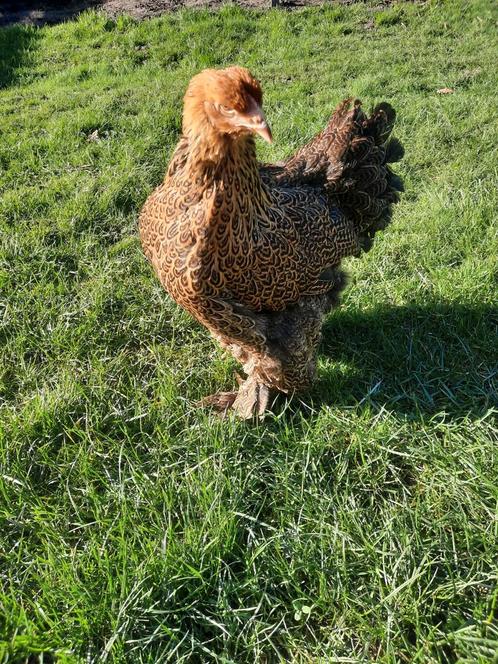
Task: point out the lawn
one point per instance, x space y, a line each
357 526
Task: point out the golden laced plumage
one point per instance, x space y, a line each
254 251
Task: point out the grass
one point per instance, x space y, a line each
360 527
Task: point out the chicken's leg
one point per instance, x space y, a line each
242 332
277 350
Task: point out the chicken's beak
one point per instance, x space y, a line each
254 120
265 132
259 124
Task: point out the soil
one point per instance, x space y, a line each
30 12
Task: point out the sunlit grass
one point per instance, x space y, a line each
360 526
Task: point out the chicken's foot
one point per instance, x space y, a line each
250 401
221 402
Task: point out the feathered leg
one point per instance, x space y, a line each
253 395
278 351
243 333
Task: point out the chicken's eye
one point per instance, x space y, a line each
224 110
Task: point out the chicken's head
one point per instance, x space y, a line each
227 101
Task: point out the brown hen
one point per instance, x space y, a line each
254 251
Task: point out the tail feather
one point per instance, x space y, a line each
350 158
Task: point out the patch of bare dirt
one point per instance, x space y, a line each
30 12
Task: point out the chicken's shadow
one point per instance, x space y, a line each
414 360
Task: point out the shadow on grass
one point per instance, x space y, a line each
413 360
16 48
34 12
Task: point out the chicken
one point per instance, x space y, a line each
253 251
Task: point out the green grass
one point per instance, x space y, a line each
358 527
